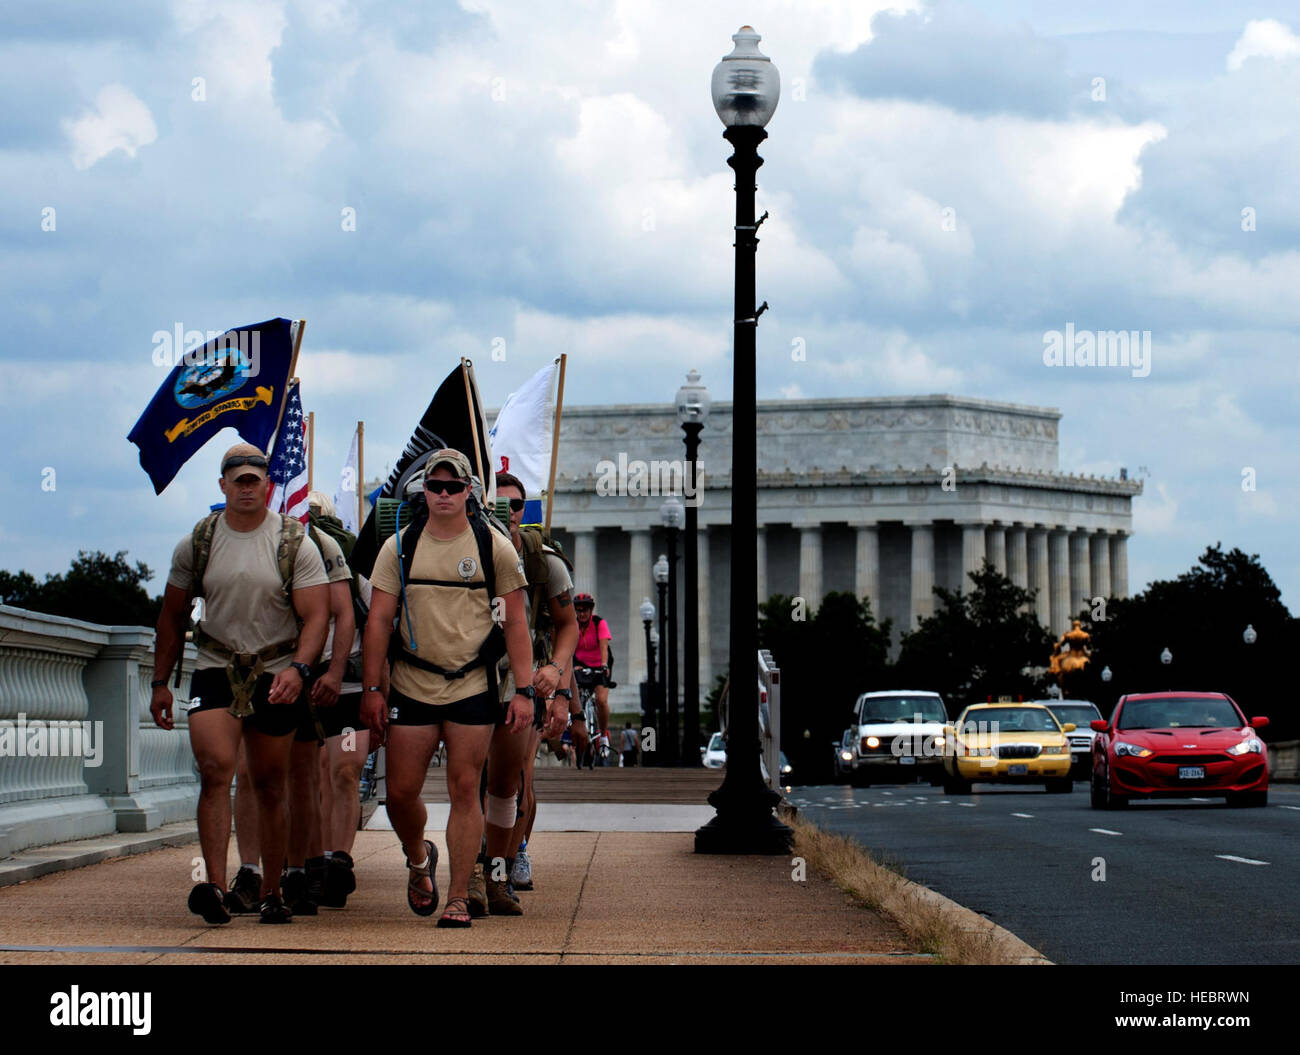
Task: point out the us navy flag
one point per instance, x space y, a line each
236 379
446 423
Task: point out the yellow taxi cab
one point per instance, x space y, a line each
1007 743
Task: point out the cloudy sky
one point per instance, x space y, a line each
947 182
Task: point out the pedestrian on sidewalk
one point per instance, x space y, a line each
629 744
261 617
457 591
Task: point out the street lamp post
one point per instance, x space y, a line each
693 405
647 612
661 682
671 514
746 87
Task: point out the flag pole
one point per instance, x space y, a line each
555 442
465 365
361 474
293 365
311 446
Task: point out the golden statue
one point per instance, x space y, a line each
1071 653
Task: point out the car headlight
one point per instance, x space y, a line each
1122 749
786 769
873 741
847 756
939 741
1247 747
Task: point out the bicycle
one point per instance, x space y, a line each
597 746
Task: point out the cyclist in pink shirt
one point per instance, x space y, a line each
593 651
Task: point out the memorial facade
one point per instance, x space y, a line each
885 497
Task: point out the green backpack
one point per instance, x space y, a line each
333 527
535 545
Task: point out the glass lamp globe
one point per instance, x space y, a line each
647 611
693 401
1249 635
672 513
1166 657
661 569
1106 674
746 85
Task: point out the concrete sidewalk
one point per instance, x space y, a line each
601 897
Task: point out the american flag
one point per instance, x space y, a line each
288 470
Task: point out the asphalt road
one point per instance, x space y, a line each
1185 882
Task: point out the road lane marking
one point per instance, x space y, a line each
1282 807
1104 831
948 802
1027 816
1198 800
970 804
1240 860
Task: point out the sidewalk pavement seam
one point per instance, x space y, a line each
573 920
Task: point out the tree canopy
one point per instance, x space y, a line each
97 588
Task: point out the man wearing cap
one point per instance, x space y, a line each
443 663
261 608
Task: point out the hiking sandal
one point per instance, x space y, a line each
455 917
207 900
426 872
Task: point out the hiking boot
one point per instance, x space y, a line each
521 876
245 894
339 880
478 901
274 910
294 887
500 902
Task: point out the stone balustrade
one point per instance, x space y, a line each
80 755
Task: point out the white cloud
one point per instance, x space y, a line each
1264 38
119 121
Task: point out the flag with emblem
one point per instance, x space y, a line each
288 472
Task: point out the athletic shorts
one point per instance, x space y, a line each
346 714
473 710
212 688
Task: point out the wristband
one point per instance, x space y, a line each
558 668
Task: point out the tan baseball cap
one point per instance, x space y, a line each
244 450
454 460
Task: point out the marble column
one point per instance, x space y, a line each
810 566
972 552
1038 578
1079 572
1058 570
640 585
922 573
1017 556
995 547
1119 564
702 603
584 561
866 581
1099 557
762 564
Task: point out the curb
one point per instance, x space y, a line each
46 860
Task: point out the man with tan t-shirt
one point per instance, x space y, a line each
439 681
253 662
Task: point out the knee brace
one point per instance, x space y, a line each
500 810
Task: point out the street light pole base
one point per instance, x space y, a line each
754 834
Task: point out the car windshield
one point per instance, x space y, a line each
1180 713
715 742
1013 719
903 709
1078 713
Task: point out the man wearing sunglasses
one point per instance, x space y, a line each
439 683
511 758
253 663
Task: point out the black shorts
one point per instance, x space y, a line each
473 710
212 688
346 714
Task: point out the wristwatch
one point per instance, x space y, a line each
375 688
528 691
303 670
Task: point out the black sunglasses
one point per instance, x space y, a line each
255 460
516 504
451 487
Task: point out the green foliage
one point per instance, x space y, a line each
826 659
1200 617
97 588
977 644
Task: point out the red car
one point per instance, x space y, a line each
1178 745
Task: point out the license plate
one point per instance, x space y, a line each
1017 771
1191 772
907 760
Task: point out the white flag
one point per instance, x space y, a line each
521 434
345 497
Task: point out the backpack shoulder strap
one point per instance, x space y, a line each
291 535
201 541
483 535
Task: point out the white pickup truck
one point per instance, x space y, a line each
899 737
